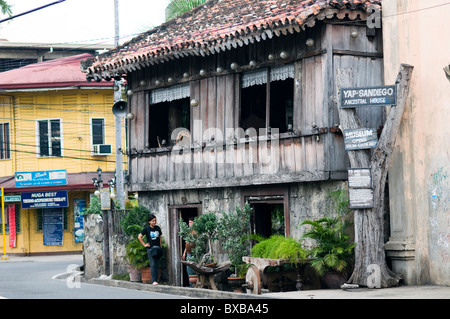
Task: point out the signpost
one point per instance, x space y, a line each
359 139
369 96
360 191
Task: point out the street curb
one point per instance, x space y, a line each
174 290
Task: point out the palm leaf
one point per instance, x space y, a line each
178 7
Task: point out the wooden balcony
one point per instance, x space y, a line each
289 157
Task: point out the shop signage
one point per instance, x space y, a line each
12 198
53 226
41 178
369 96
360 191
359 139
49 199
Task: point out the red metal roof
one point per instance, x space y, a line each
220 25
64 72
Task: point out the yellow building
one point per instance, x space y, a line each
52 123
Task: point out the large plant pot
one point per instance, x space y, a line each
146 277
334 280
236 283
135 273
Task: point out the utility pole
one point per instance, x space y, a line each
116 23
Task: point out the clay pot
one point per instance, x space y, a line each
135 273
334 280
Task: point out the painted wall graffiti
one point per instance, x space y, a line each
439 197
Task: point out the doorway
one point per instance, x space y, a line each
268 219
183 212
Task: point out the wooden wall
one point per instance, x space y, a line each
312 152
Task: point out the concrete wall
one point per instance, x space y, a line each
416 32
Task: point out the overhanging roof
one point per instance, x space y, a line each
220 25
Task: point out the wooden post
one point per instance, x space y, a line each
369 223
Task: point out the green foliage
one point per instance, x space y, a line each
233 231
333 250
279 247
202 234
5 7
135 220
137 254
178 7
94 206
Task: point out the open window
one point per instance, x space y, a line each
49 132
267 103
5 146
169 110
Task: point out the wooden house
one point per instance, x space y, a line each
235 101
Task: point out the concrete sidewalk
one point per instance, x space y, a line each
401 292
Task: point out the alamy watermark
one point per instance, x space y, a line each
74 279
374 279
232 146
374 19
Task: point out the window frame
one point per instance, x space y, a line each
49 138
92 130
5 139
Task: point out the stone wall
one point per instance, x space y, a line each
93 246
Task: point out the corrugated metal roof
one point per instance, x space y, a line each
220 25
64 72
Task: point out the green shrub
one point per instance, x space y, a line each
279 247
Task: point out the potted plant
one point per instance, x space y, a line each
132 224
233 232
334 253
202 234
137 257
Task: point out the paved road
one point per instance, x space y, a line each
31 278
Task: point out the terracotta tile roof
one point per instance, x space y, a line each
219 25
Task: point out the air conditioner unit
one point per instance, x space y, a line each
101 149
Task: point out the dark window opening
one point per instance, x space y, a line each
253 107
49 138
165 117
268 219
281 104
4 141
97 131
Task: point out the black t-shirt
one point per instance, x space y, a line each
153 235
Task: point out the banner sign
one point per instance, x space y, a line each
78 211
359 139
369 96
52 226
41 178
12 225
49 199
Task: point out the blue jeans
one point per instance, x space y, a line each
154 266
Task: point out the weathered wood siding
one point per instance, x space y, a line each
313 152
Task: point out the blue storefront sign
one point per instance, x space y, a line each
41 178
48 199
53 226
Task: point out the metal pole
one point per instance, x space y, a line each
116 22
119 162
3 225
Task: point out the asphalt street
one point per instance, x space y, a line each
36 278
